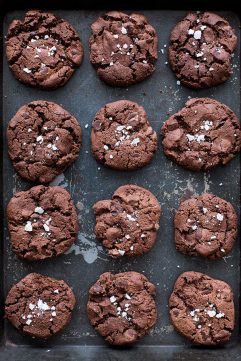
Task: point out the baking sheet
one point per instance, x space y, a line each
88 182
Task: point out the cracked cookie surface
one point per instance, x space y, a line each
39 306
205 226
202 309
43 140
42 222
128 223
123 48
121 136
43 50
122 307
200 51
202 135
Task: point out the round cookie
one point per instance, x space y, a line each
121 307
202 309
202 135
121 136
123 48
42 222
39 306
200 51
128 223
43 140
43 50
205 226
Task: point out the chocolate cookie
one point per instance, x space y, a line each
201 47
123 48
42 222
205 226
43 140
202 309
202 135
121 307
128 223
122 137
43 50
39 306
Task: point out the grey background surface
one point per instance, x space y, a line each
88 181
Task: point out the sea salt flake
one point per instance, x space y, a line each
135 141
198 137
56 291
123 30
190 31
197 34
54 314
40 139
125 46
28 227
111 156
222 250
31 306
127 296
220 315
211 313
112 299
205 210
54 147
106 147
219 217
27 70
42 306
144 61
116 36
130 218
28 322
46 227
131 248
39 210
121 252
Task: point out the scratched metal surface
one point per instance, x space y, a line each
88 182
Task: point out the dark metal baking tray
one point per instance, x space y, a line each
88 182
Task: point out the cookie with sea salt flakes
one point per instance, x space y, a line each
205 226
201 48
202 135
202 309
43 140
122 307
122 137
42 222
43 50
128 223
123 48
39 306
